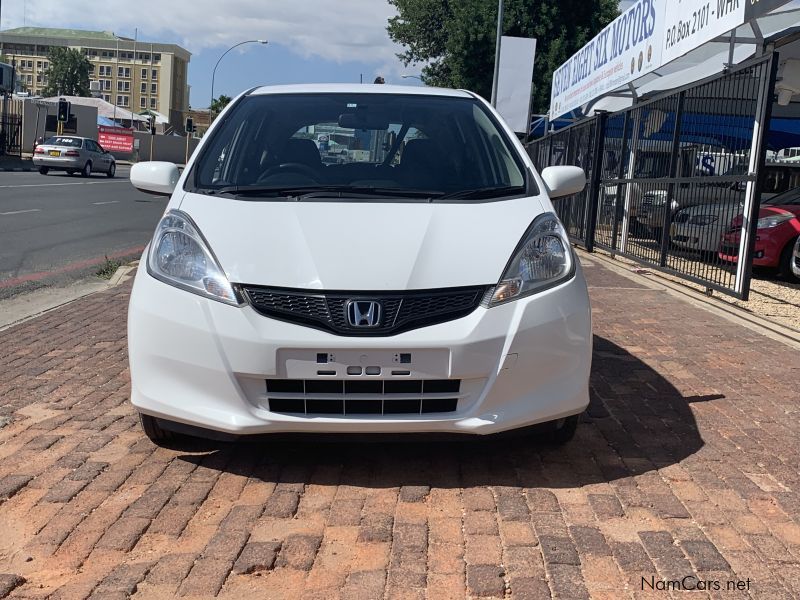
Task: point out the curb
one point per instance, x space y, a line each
120 276
770 329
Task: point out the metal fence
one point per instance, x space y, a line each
10 126
675 182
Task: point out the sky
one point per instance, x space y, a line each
308 40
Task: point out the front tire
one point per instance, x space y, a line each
785 266
111 170
44 170
153 430
87 170
564 430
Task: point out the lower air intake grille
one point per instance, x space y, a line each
398 311
376 397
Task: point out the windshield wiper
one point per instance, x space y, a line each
484 192
325 191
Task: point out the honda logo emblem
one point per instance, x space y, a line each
363 313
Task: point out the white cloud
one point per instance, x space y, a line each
338 30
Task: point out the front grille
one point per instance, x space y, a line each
400 311
363 397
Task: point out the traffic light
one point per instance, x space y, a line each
152 125
189 125
63 110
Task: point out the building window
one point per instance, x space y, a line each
107 97
153 103
154 74
143 89
123 71
45 65
153 88
143 102
156 57
123 86
144 73
123 100
30 79
107 84
38 64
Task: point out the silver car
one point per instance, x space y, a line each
74 155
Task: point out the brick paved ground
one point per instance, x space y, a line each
686 464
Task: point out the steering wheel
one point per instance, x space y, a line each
291 166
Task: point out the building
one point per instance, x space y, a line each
133 74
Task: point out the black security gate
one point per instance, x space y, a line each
674 181
11 134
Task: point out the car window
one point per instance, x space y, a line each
787 198
64 141
448 145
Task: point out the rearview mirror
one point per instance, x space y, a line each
363 120
155 177
563 181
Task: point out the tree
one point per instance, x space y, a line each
219 103
68 74
457 38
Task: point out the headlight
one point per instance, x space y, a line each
773 220
180 256
542 260
703 220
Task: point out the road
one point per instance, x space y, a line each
59 228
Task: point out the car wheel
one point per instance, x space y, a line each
785 266
153 430
112 169
87 169
44 170
564 430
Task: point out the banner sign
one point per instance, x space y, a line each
645 37
115 139
515 78
629 47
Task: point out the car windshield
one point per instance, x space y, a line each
787 198
64 141
359 146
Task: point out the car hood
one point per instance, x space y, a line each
370 246
769 211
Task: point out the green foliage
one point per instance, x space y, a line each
456 38
219 103
68 74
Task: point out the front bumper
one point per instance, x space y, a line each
203 363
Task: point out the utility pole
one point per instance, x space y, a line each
497 51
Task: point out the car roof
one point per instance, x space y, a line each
67 135
356 88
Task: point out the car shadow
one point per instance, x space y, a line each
636 422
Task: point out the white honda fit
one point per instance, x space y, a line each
358 259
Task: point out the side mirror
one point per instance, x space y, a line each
155 177
563 181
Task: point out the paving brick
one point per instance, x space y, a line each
299 552
171 569
124 534
589 541
206 577
257 557
123 580
414 493
606 506
11 484
282 504
557 549
9 582
485 581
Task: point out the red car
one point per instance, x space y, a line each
778 229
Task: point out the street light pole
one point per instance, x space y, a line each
214 72
497 51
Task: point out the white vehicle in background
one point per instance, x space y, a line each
700 228
436 294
